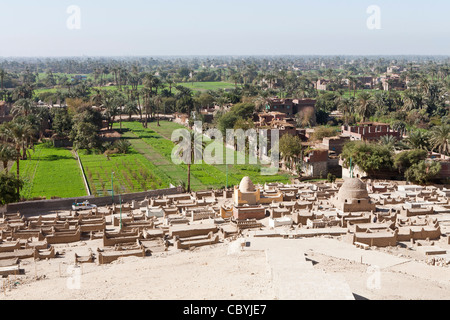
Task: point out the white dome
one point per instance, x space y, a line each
247 185
353 189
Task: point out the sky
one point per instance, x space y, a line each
45 28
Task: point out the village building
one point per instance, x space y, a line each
334 144
393 82
290 107
322 85
370 131
315 164
181 118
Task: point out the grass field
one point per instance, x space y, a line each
205 86
158 149
132 173
51 172
54 172
196 87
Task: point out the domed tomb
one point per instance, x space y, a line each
247 185
353 197
248 194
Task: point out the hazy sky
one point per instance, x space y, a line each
219 27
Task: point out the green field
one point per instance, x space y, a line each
51 172
132 173
205 86
157 148
54 172
196 87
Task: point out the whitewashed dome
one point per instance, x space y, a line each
246 185
353 189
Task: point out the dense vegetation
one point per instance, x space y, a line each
118 90
380 160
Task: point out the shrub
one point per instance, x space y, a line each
324 132
8 188
423 172
369 157
123 146
331 178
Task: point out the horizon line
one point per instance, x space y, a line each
229 55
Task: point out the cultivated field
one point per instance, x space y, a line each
158 149
54 172
132 173
195 86
51 172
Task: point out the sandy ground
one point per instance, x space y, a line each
392 285
207 273
204 273
210 273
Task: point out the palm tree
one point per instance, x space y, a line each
119 102
2 77
388 141
18 135
236 77
418 140
440 137
149 81
157 102
197 146
365 100
271 79
413 100
346 106
131 108
262 101
352 85
123 146
184 99
146 97
157 84
111 108
22 107
7 154
171 84
97 97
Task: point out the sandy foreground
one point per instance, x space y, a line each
207 273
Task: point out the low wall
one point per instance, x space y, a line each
108 257
64 237
187 231
377 239
48 206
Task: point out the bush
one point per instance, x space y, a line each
123 146
406 159
331 178
369 157
324 132
423 172
8 188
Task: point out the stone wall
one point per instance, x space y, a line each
250 212
48 206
